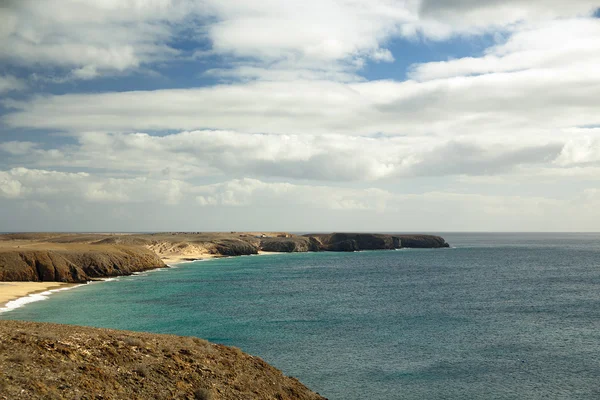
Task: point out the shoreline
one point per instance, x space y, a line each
16 294
182 259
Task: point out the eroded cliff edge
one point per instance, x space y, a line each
76 264
50 361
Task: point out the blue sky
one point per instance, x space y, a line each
386 115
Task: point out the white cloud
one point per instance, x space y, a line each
442 18
529 105
88 37
583 148
18 148
303 114
40 185
64 200
10 83
91 38
252 192
552 45
308 157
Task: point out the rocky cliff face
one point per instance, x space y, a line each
371 241
422 241
49 361
357 241
349 242
75 265
296 244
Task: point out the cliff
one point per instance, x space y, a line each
295 244
77 264
357 241
49 361
422 241
350 242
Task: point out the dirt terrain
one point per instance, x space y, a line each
50 361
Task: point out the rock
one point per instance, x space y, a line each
286 245
422 241
75 266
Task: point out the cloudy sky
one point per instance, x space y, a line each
300 115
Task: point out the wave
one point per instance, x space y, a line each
32 298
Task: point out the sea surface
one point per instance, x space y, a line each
498 316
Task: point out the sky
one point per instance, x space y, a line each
300 115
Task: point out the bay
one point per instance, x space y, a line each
498 316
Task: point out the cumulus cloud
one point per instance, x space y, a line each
306 157
86 39
43 185
582 149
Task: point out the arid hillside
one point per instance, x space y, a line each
49 361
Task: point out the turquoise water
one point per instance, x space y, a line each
500 316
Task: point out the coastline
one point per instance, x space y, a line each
16 294
173 260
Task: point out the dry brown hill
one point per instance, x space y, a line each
50 361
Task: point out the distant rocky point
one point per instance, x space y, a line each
80 257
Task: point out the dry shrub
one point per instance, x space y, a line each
203 394
18 358
142 370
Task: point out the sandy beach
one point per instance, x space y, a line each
176 259
13 290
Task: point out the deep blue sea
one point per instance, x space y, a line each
498 316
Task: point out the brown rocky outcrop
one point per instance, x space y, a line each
76 265
50 361
375 241
295 244
422 241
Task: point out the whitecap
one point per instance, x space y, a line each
32 298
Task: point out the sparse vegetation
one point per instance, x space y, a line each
133 341
49 361
202 394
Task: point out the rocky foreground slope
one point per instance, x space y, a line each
81 257
49 361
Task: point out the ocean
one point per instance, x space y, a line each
497 316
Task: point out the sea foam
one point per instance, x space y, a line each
21 301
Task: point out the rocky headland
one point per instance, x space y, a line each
50 361
77 258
